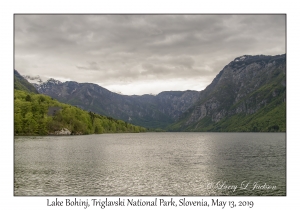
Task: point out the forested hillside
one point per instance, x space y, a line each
31 118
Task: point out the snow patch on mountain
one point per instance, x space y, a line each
38 83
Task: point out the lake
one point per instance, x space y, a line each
152 164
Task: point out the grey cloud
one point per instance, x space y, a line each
127 48
91 66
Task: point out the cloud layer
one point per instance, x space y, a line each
138 54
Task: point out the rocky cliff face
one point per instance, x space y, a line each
245 86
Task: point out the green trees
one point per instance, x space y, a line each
31 118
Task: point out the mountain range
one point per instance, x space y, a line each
249 94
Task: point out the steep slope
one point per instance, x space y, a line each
22 84
146 110
247 95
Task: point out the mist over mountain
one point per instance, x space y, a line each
36 80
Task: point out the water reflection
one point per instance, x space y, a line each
149 164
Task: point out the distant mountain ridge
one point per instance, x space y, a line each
146 110
248 87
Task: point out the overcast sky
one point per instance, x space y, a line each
139 54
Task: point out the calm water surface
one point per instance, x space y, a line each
151 164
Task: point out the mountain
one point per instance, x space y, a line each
21 83
249 94
147 110
38 114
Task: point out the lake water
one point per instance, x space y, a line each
152 164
